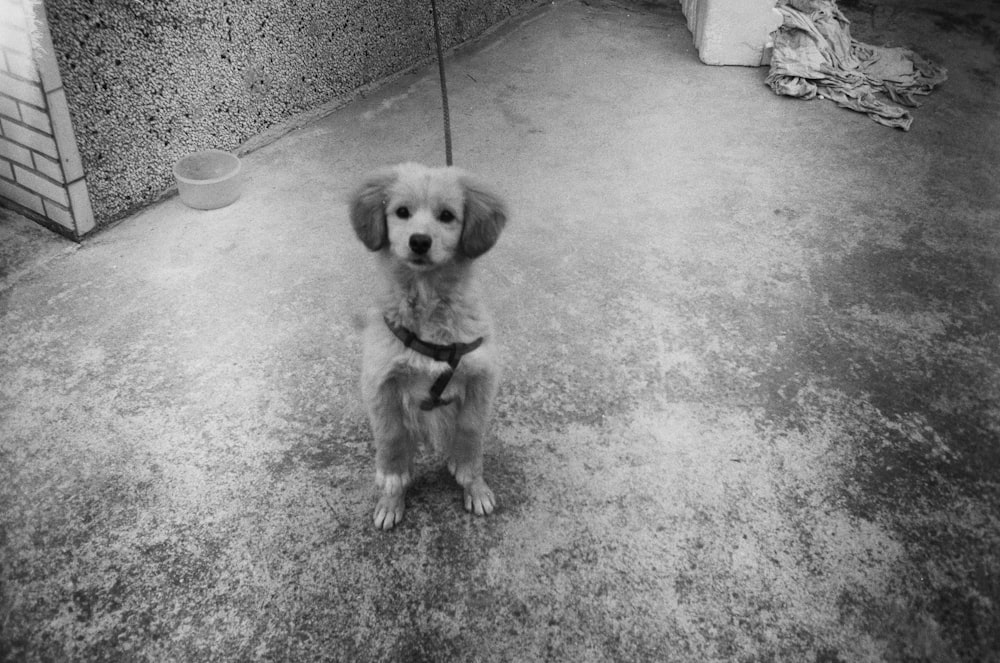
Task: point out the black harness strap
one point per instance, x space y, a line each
451 354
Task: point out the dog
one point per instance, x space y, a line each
430 367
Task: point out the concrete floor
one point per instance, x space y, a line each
751 409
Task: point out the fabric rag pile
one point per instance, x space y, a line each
815 55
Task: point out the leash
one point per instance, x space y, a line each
451 354
444 86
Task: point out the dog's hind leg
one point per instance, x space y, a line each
395 450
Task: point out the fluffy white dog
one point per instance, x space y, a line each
430 368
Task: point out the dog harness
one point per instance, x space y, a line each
451 354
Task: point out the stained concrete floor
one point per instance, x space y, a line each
750 410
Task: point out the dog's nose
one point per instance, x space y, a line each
420 243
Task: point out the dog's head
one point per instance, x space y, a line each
426 216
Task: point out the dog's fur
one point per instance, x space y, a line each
431 293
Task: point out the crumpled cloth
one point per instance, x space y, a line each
814 55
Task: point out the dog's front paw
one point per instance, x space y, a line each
390 507
389 511
479 499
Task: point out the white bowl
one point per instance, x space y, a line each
208 179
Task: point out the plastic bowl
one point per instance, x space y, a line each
209 179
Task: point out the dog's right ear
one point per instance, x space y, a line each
367 205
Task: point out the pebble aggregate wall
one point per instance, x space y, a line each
41 173
148 82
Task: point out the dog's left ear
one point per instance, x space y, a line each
485 217
367 204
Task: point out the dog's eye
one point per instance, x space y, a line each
403 212
446 216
